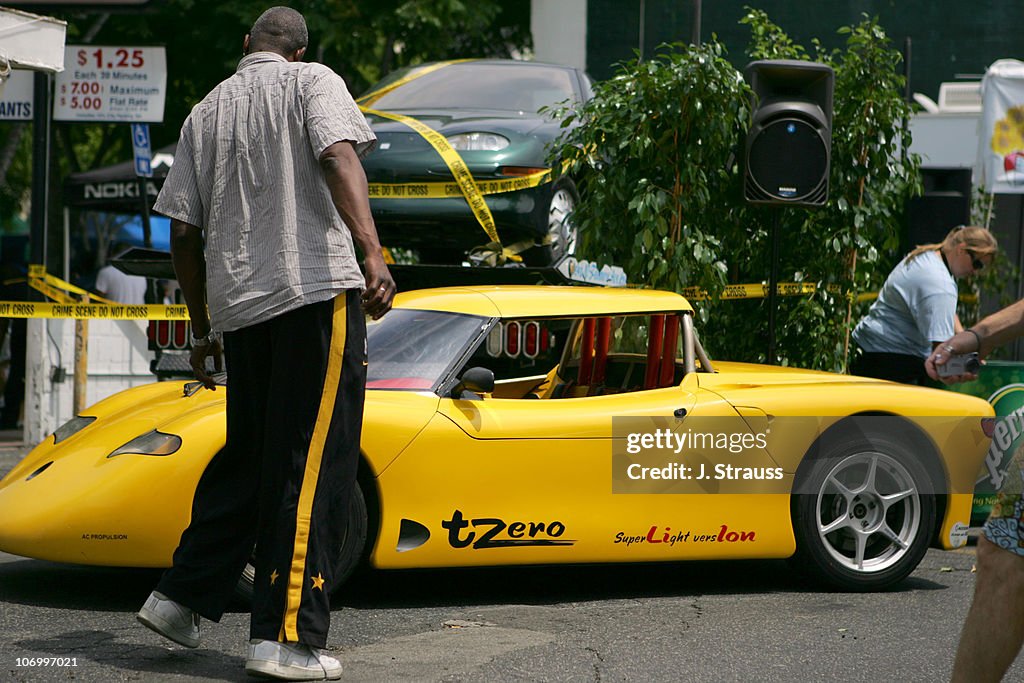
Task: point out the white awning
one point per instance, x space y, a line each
31 41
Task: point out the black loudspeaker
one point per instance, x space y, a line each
790 139
945 204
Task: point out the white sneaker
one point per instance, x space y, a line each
290 661
170 619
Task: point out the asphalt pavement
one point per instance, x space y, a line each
711 621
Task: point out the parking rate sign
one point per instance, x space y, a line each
111 84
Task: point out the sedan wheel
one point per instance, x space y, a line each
862 518
560 238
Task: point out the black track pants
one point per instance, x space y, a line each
294 413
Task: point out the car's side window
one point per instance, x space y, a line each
612 355
573 358
522 353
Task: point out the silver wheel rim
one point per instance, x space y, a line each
561 234
868 512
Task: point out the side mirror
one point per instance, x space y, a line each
475 381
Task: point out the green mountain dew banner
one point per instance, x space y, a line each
1002 383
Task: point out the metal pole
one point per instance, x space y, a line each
695 32
40 168
907 92
1018 348
640 38
147 235
908 97
67 245
773 284
81 373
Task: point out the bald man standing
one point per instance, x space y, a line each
267 199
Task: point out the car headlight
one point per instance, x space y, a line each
150 443
71 427
478 142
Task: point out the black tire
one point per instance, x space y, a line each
557 230
881 522
353 545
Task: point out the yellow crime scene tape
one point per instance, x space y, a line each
760 291
444 190
54 288
65 304
29 309
752 291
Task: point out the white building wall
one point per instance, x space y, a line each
118 359
559 30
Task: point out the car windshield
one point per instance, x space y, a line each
506 87
411 350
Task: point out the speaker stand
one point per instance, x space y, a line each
773 282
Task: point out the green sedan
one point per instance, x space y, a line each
461 159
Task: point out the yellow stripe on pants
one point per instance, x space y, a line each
314 456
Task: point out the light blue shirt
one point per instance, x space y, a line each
916 306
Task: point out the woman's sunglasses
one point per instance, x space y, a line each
976 262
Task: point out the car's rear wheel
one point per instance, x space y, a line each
353 544
560 238
863 514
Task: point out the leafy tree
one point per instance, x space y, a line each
655 154
650 155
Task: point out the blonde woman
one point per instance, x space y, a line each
916 308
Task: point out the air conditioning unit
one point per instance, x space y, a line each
960 97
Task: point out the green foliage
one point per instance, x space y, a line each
649 160
15 146
661 194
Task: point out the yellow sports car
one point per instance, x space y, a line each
534 425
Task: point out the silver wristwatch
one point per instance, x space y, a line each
209 338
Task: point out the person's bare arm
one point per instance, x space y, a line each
347 183
1000 327
995 330
190 268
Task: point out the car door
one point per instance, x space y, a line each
517 480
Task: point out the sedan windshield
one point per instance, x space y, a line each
411 350
505 87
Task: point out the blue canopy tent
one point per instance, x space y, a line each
109 205
130 230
